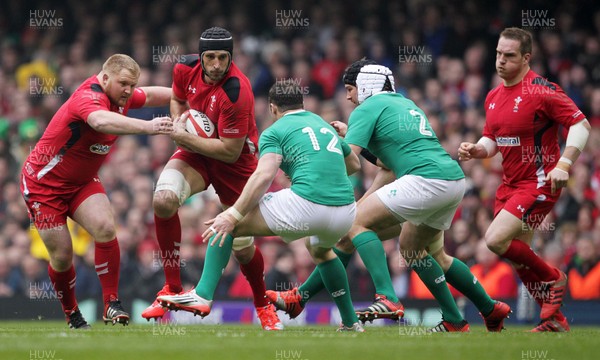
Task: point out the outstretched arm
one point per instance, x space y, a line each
484 148
109 122
255 188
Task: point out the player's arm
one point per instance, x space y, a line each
350 159
352 163
255 188
383 177
227 150
110 122
177 106
484 148
157 95
576 141
258 183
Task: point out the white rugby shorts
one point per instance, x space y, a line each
293 217
432 202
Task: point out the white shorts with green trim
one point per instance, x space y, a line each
432 202
293 217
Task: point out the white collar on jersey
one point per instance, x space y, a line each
294 112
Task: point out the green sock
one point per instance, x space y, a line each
335 279
432 276
460 276
371 252
314 283
215 261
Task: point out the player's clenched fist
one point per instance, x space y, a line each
465 151
161 125
558 178
340 127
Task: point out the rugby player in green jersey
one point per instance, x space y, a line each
419 186
318 206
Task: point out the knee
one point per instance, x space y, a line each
321 255
409 249
244 255
165 204
345 245
356 229
105 231
496 244
61 259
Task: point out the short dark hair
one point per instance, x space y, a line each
351 72
286 96
520 35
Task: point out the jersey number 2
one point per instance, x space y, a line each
315 144
422 123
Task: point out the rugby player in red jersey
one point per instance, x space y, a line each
60 177
523 115
211 83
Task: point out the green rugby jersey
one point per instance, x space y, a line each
395 130
313 157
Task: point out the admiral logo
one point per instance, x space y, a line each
29 169
508 141
100 149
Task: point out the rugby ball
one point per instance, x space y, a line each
199 124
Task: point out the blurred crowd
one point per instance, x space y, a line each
442 55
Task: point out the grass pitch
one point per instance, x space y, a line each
54 341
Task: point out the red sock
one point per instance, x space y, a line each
168 234
64 285
532 283
520 253
254 271
108 263
534 286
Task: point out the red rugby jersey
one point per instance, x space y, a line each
523 120
229 103
70 152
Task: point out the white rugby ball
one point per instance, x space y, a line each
199 124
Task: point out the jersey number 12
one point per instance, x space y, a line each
315 144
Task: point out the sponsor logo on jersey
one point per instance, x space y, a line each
100 149
191 89
440 280
508 141
29 169
492 106
231 131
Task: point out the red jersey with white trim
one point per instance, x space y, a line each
70 152
523 120
229 104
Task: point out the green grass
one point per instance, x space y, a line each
54 341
